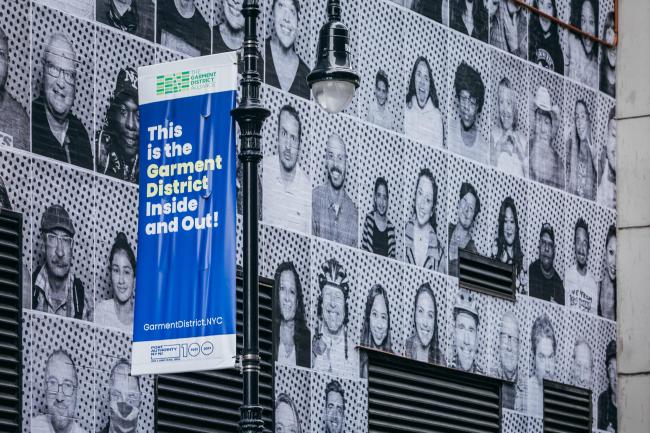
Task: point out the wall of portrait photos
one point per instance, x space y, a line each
478 125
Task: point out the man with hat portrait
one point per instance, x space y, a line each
55 289
544 281
118 141
546 166
607 410
466 338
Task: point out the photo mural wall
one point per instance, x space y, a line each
477 125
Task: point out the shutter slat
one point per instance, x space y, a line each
567 409
10 322
209 401
410 396
487 275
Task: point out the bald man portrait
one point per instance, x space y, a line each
14 123
61 391
334 215
56 132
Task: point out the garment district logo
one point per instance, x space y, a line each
184 81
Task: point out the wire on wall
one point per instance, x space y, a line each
573 28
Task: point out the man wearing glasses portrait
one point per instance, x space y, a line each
55 289
56 132
61 388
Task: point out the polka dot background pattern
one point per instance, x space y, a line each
355 394
383 35
381 52
387 160
295 382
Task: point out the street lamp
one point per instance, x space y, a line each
333 83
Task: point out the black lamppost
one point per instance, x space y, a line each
333 83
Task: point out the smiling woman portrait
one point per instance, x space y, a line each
117 312
422 118
375 333
423 343
284 67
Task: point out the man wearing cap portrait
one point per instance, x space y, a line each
546 166
56 132
544 281
466 338
55 289
118 141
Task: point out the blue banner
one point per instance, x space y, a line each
185 315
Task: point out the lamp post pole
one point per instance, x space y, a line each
250 115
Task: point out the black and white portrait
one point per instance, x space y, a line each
583 364
469 225
183 25
61 393
424 341
117 311
124 399
422 117
545 282
286 183
378 111
63 378
332 347
228 32
581 287
509 243
607 162
607 68
381 95
292 399
509 129
286 60
607 408
376 328
509 27
14 124
424 70
544 43
506 363
469 115
123 403
132 16
55 287
381 192
546 150
118 141
63 88
607 284
465 340
334 212
435 9
581 142
581 62
422 245
335 402
292 337
544 350
469 17
381 310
